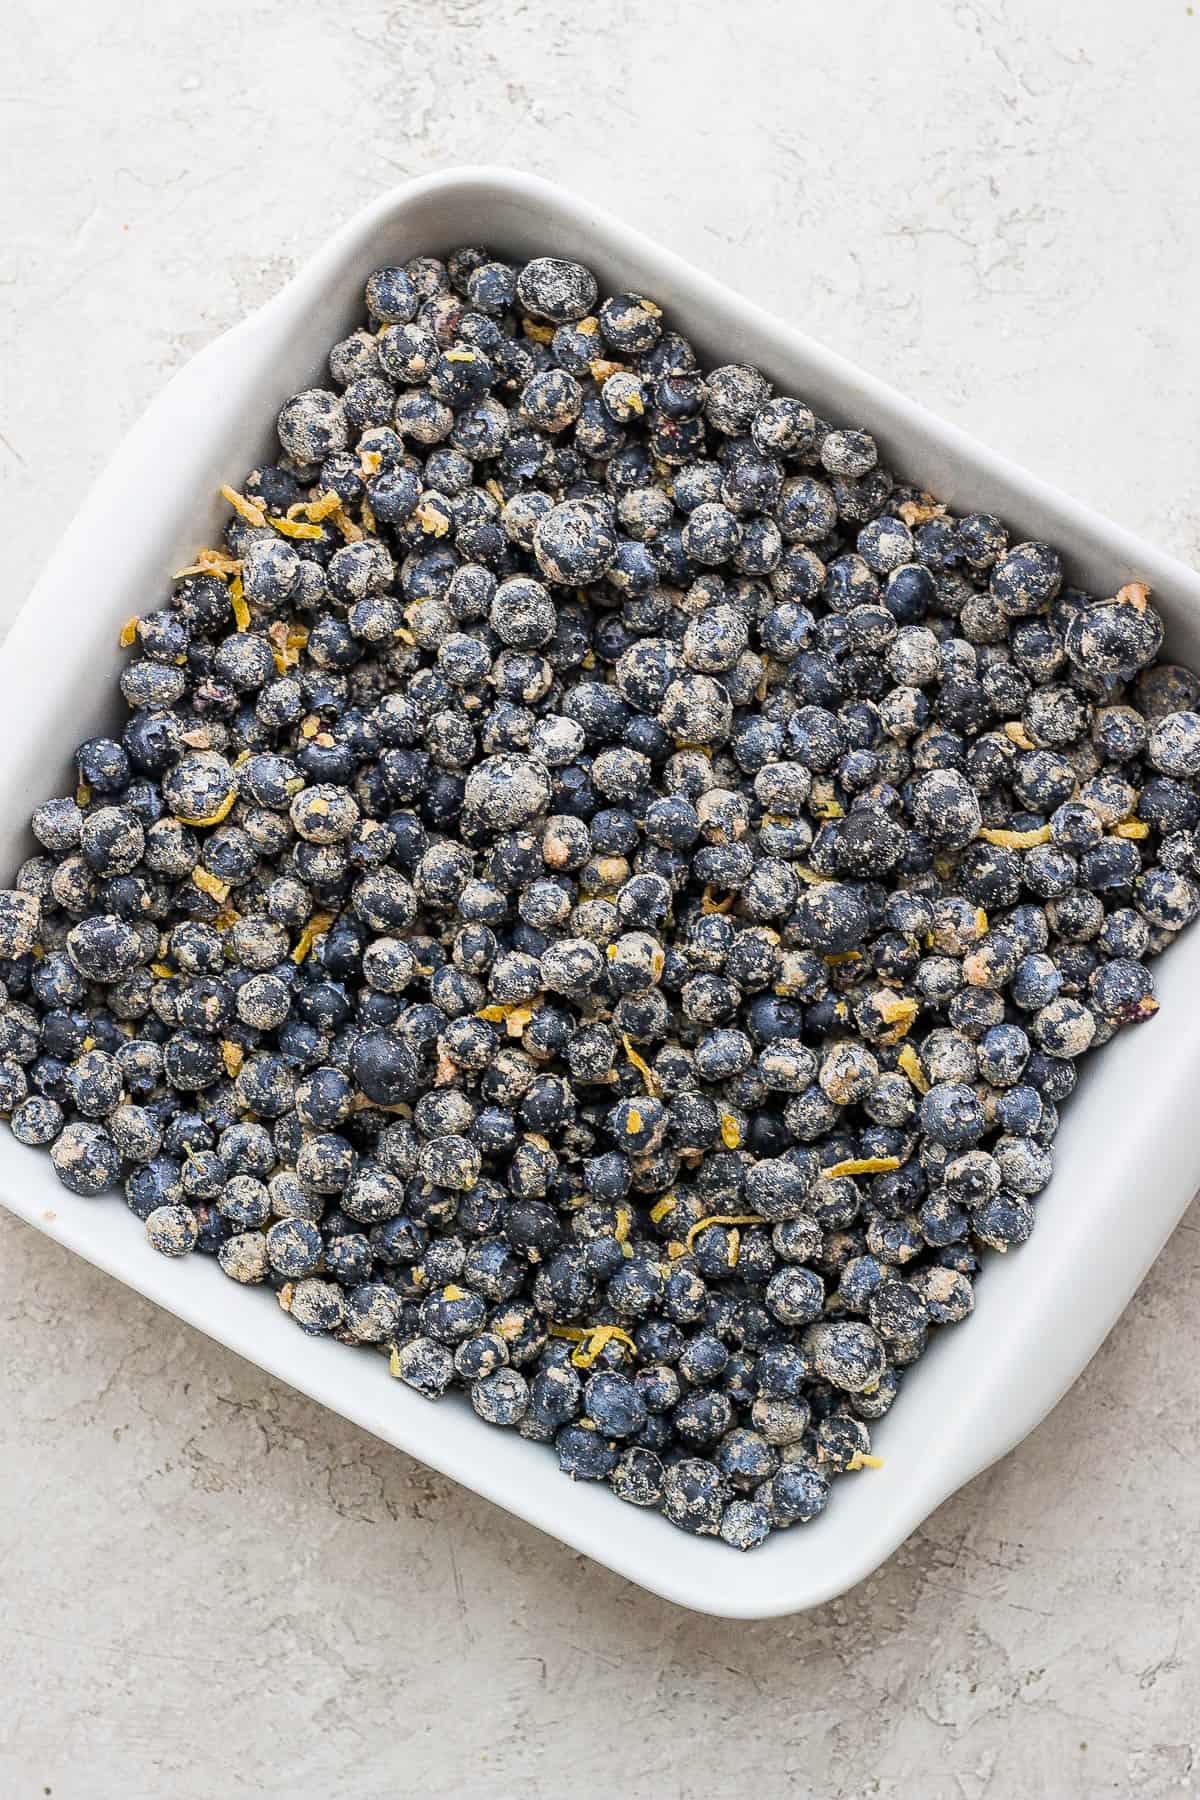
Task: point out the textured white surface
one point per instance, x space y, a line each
210 1584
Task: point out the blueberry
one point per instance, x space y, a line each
85 1158
584 1454
797 1494
172 1230
550 288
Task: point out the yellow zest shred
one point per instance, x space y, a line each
162 971
807 874
286 641
1016 734
720 1219
89 1043
226 918
589 660
369 462
634 1122
320 922
360 1103
709 905
675 1250
540 334
1131 828
731 1131
467 356
601 367
910 1062
233 1056
981 920
210 884
295 528
237 599
735 1247
212 818
329 506
432 520
322 507
514 1017
898 1013
591 1340
211 562
860 1460
128 632
495 490
1146 1007
842 956
288 654
653 1087
862 1165
83 794
588 326
623 1227
661 1208
822 804
920 512
1015 840
250 510
451 1292
368 517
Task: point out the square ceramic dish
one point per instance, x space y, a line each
1129 1150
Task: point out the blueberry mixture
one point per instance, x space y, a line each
601 892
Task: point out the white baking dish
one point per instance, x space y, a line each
1129 1150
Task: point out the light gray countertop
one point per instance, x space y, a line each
209 1584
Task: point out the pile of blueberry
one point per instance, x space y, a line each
601 891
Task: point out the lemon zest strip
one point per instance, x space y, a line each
862 1165
860 1460
210 884
1015 840
212 818
721 1219
320 922
653 1086
590 1341
247 509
